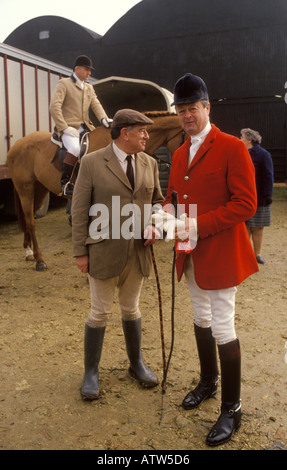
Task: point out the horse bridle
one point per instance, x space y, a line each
175 135
160 160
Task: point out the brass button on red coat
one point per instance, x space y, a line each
185 196
186 178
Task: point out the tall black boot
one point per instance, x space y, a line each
94 338
230 419
67 171
137 369
207 386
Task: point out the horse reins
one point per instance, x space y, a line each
160 160
175 135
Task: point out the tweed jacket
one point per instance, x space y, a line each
221 182
101 180
70 105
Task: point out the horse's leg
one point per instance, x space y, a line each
40 193
31 229
28 247
27 202
22 225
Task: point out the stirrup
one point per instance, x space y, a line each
68 187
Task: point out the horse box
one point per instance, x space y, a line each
26 85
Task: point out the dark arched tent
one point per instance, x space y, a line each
238 48
55 38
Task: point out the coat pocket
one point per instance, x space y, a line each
99 230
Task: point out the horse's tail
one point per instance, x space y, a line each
19 211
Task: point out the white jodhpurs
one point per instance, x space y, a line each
212 308
72 144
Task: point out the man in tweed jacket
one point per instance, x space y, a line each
113 258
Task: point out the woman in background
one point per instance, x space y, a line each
264 185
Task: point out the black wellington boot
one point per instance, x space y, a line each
94 338
207 387
138 369
230 419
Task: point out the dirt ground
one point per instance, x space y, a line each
41 348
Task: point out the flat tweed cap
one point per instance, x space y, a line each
129 117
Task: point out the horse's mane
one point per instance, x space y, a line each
158 113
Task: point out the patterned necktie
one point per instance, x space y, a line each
130 171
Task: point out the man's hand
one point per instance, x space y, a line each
151 235
189 230
107 122
83 263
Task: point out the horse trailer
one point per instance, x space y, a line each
26 85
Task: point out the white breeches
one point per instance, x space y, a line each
212 308
72 144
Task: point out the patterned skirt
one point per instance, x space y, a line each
262 217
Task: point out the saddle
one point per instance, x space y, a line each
84 147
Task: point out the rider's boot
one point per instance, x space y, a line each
67 171
207 386
229 420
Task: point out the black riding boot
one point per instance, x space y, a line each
137 369
94 338
207 386
230 419
67 172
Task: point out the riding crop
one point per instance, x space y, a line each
166 364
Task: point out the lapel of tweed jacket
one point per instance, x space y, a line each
114 166
140 169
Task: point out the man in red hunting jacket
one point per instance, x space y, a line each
214 171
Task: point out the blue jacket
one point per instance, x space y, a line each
264 175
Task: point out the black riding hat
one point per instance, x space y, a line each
84 61
190 89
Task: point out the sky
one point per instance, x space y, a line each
97 15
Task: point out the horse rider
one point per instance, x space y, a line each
214 171
69 107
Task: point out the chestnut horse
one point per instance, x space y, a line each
34 175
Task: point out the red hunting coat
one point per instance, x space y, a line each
221 181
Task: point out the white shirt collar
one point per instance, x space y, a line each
80 82
196 141
120 154
201 136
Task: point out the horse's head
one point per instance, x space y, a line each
165 132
